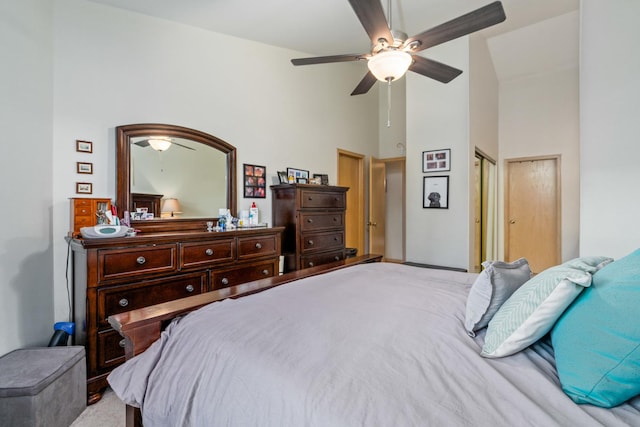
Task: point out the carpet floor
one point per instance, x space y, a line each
108 412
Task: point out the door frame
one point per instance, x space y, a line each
507 163
358 213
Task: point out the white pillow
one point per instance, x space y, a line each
493 286
533 309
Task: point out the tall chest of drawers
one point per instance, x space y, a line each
313 217
111 276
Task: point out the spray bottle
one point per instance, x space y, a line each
253 214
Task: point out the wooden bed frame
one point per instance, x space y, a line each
140 328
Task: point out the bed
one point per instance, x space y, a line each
375 344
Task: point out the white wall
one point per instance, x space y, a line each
539 116
26 282
437 118
609 125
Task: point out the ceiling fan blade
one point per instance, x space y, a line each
466 24
365 84
183 146
143 143
327 59
433 69
372 18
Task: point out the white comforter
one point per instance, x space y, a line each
372 345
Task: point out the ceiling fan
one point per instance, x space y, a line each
392 52
160 143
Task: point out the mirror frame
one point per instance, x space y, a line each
123 173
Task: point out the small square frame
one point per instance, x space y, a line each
84 146
84 168
302 181
255 181
282 176
84 188
324 179
436 160
435 192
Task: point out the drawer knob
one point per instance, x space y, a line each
310 263
310 198
189 288
121 343
258 245
141 260
225 281
310 242
335 219
337 258
265 272
209 252
123 302
310 220
335 238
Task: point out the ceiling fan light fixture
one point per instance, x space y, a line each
160 144
389 65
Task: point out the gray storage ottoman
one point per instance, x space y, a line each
44 386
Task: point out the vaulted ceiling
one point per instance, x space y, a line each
327 27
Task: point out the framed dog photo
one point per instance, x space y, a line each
436 160
435 192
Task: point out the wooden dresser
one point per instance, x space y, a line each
313 217
112 276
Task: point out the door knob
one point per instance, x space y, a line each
372 224
512 221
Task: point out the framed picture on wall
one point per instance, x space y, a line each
436 160
435 194
255 181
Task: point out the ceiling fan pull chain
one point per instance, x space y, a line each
389 103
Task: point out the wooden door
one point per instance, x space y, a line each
351 174
377 206
477 253
532 211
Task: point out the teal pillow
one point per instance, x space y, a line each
597 339
533 309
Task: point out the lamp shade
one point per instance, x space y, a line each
160 144
171 206
389 64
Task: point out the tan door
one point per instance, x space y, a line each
477 255
377 206
532 211
351 174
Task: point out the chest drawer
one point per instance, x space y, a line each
314 199
113 264
111 349
307 261
237 276
311 221
257 246
196 254
118 299
321 241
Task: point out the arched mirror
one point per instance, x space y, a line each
173 178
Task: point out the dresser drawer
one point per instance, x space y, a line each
314 199
307 261
120 263
85 221
82 210
257 246
237 276
110 349
118 299
310 242
213 252
311 221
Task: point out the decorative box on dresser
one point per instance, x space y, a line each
313 217
115 275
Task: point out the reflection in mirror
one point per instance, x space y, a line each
160 165
192 173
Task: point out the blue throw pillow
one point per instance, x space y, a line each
597 339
